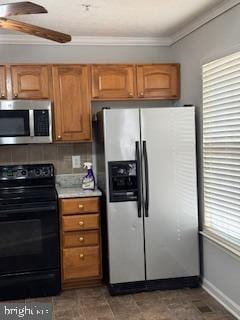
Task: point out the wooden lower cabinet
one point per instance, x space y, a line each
81 263
81 252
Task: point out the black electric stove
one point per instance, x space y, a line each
29 232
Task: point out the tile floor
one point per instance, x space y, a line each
97 304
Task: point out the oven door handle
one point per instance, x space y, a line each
27 210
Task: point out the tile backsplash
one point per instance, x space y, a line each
58 154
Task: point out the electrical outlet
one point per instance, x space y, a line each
76 162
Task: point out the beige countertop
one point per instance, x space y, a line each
76 192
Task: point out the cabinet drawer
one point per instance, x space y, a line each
77 239
81 263
80 222
79 205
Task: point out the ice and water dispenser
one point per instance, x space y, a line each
123 181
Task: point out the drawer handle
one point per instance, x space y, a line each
81 239
81 223
80 206
81 256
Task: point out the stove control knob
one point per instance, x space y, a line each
37 172
45 171
31 173
24 173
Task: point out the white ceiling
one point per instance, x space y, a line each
118 18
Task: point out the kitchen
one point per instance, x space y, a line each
190 55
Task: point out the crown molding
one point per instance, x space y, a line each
87 41
125 41
205 18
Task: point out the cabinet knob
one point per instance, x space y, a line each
130 94
81 239
141 94
81 223
80 206
59 137
81 256
2 95
15 95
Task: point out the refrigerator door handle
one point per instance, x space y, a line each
145 158
139 193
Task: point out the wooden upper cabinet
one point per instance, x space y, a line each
158 81
113 81
72 107
3 88
30 81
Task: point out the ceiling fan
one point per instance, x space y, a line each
19 8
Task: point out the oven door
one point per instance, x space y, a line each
29 237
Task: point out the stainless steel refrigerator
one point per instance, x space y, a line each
146 164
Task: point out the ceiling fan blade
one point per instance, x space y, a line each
26 7
34 30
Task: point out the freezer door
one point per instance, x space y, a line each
171 219
125 227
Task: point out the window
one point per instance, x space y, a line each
221 148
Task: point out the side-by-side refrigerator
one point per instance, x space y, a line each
146 164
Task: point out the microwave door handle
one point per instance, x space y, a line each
31 123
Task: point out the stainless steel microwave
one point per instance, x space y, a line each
25 121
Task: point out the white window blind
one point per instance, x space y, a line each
221 147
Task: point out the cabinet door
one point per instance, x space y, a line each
81 263
71 103
3 91
159 81
113 82
30 81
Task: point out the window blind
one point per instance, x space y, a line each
221 147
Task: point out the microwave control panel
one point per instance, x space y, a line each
41 123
